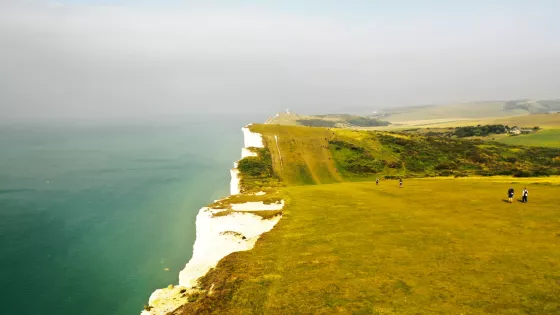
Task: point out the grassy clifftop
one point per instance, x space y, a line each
300 155
437 246
304 155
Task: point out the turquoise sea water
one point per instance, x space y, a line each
91 214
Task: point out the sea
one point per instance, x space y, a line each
96 215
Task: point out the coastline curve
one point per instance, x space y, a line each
219 232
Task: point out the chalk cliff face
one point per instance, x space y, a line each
217 237
235 181
246 152
219 232
251 140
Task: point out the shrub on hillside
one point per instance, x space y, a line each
445 173
366 122
520 173
355 159
316 123
257 171
253 166
471 131
392 177
445 166
446 156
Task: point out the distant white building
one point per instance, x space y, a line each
515 130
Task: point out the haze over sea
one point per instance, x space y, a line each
92 213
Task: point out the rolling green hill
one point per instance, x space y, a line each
534 107
305 155
474 110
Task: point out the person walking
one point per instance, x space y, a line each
510 194
400 183
525 195
377 181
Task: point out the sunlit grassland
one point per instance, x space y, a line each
436 246
300 155
545 138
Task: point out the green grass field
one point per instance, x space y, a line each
545 138
436 246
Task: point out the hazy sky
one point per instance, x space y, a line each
85 58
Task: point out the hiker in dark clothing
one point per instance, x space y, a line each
400 183
377 181
510 195
525 195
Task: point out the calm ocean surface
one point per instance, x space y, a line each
91 214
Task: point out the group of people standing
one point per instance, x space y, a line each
524 195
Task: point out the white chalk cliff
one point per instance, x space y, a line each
251 140
217 237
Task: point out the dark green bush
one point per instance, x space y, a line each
316 123
253 166
354 159
256 171
520 173
446 166
445 156
511 159
470 131
366 122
